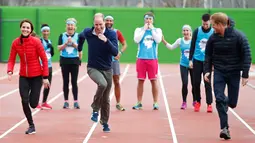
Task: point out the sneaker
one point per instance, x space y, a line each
184 105
155 106
94 117
39 106
193 104
197 107
209 109
46 106
120 107
30 130
225 134
76 105
66 105
106 128
138 106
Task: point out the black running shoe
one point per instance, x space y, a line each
225 134
31 130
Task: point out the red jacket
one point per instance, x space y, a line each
29 53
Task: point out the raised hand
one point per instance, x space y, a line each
102 37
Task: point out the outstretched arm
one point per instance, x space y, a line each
174 45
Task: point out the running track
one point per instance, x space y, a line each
168 125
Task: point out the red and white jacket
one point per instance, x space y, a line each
29 53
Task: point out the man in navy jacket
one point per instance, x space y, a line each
102 45
228 51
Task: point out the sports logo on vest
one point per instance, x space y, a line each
202 44
148 41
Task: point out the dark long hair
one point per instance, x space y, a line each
32 28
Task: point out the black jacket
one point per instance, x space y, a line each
228 53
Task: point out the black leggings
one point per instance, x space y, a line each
29 89
66 70
185 71
47 90
198 70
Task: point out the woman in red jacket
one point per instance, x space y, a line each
32 74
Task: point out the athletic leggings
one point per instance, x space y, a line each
72 69
185 71
198 70
47 90
30 89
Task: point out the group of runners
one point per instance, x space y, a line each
215 46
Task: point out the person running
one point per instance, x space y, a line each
32 74
184 44
70 60
109 21
49 50
102 45
196 61
147 37
229 56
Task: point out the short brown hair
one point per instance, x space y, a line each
149 14
220 17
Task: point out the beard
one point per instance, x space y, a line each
109 25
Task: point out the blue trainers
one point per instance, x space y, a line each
106 127
76 105
66 105
155 106
138 106
94 117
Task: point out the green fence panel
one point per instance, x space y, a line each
10 26
171 22
56 18
127 20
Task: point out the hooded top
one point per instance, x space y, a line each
231 22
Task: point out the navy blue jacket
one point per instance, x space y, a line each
229 53
99 52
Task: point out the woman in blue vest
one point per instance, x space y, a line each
184 44
49 50
70 60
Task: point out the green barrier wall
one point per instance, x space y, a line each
126 19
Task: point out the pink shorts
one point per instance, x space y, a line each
144 66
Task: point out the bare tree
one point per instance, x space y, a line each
125 3
84 2
22 2
101 2
4 2
170 3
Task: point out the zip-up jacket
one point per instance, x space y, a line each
228 53
29 51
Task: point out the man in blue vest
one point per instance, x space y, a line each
109 21
147 38
196 57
